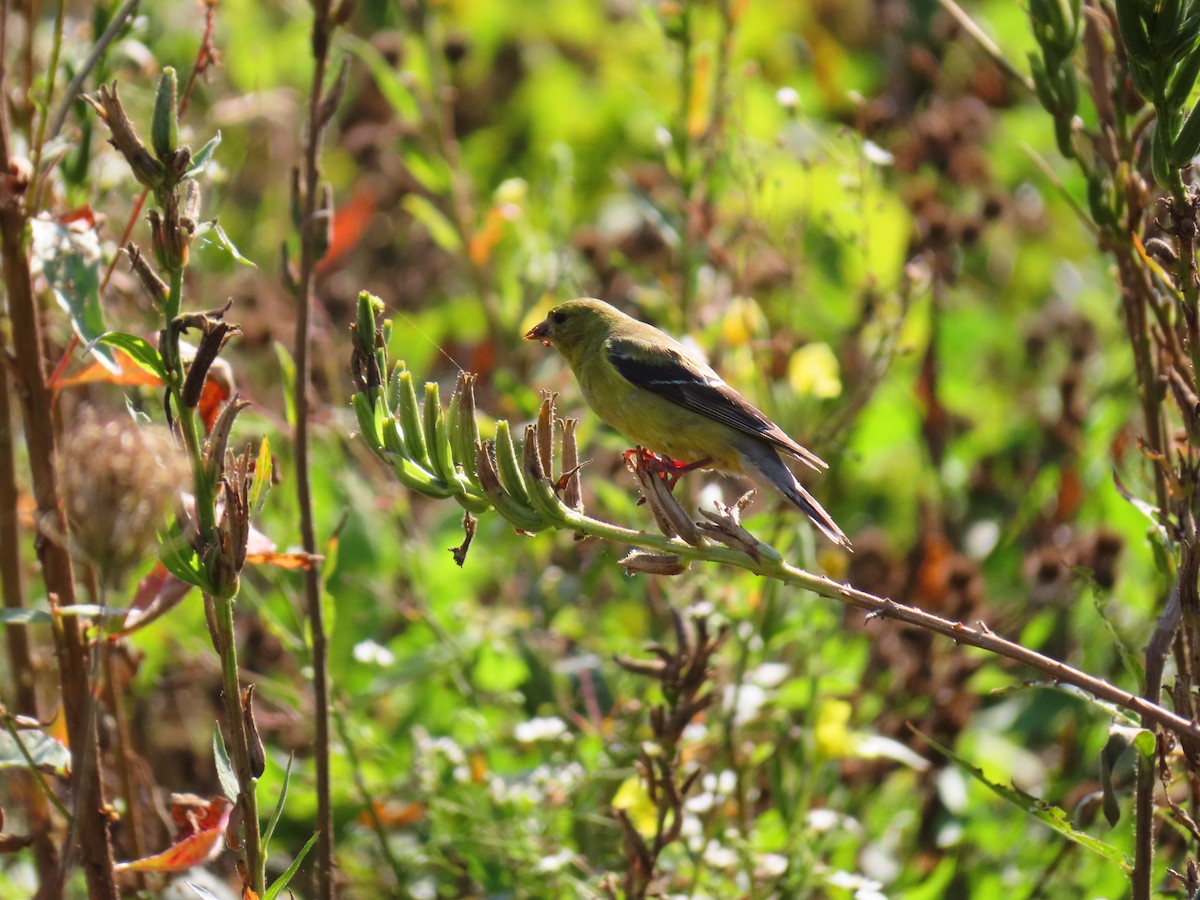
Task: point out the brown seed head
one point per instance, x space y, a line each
118 480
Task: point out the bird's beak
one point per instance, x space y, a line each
539 332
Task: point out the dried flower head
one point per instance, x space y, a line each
117 480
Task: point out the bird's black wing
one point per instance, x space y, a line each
673 376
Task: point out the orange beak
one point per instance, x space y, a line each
538 333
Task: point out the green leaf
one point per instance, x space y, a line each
278 811
90 609
225 773
221 239
181 560
69 258
440 229
47 753
498 671
282 881
203 156
140 350
287 369
388 80
261 485
1048 814
25 617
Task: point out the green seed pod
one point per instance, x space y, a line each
164 126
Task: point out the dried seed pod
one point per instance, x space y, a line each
645 563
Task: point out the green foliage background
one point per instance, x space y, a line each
878 259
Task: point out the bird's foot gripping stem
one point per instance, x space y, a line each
670 470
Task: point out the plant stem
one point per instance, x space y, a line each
238 743
58 574
309 256
101 45
124 758
883 608
20 660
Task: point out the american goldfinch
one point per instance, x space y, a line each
651 389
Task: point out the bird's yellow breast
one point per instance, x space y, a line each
653 422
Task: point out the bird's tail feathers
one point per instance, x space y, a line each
763 465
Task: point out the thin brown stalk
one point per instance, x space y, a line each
95 845
309 256
980 635
124 753
1156 657
20 658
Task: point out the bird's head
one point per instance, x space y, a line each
574 326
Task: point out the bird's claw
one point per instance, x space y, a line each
670 470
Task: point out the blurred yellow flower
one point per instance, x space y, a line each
633 799
813 371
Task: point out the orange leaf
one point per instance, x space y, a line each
131 373
296 560
350 223
484 241
394 814
218 387
192 850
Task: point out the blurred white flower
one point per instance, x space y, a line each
823 820
876 154
788 98
370 652
769 675
555 862
719 856
864 888
746 701
772 865
542 728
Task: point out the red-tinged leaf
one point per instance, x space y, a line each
83 214
193 814
350 223
157 594
129 373
192 850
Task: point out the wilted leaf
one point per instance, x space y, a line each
68 256
48 754
191 850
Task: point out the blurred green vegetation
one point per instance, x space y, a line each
861 239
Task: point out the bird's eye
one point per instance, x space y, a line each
558 317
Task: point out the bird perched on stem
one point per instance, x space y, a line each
651 389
